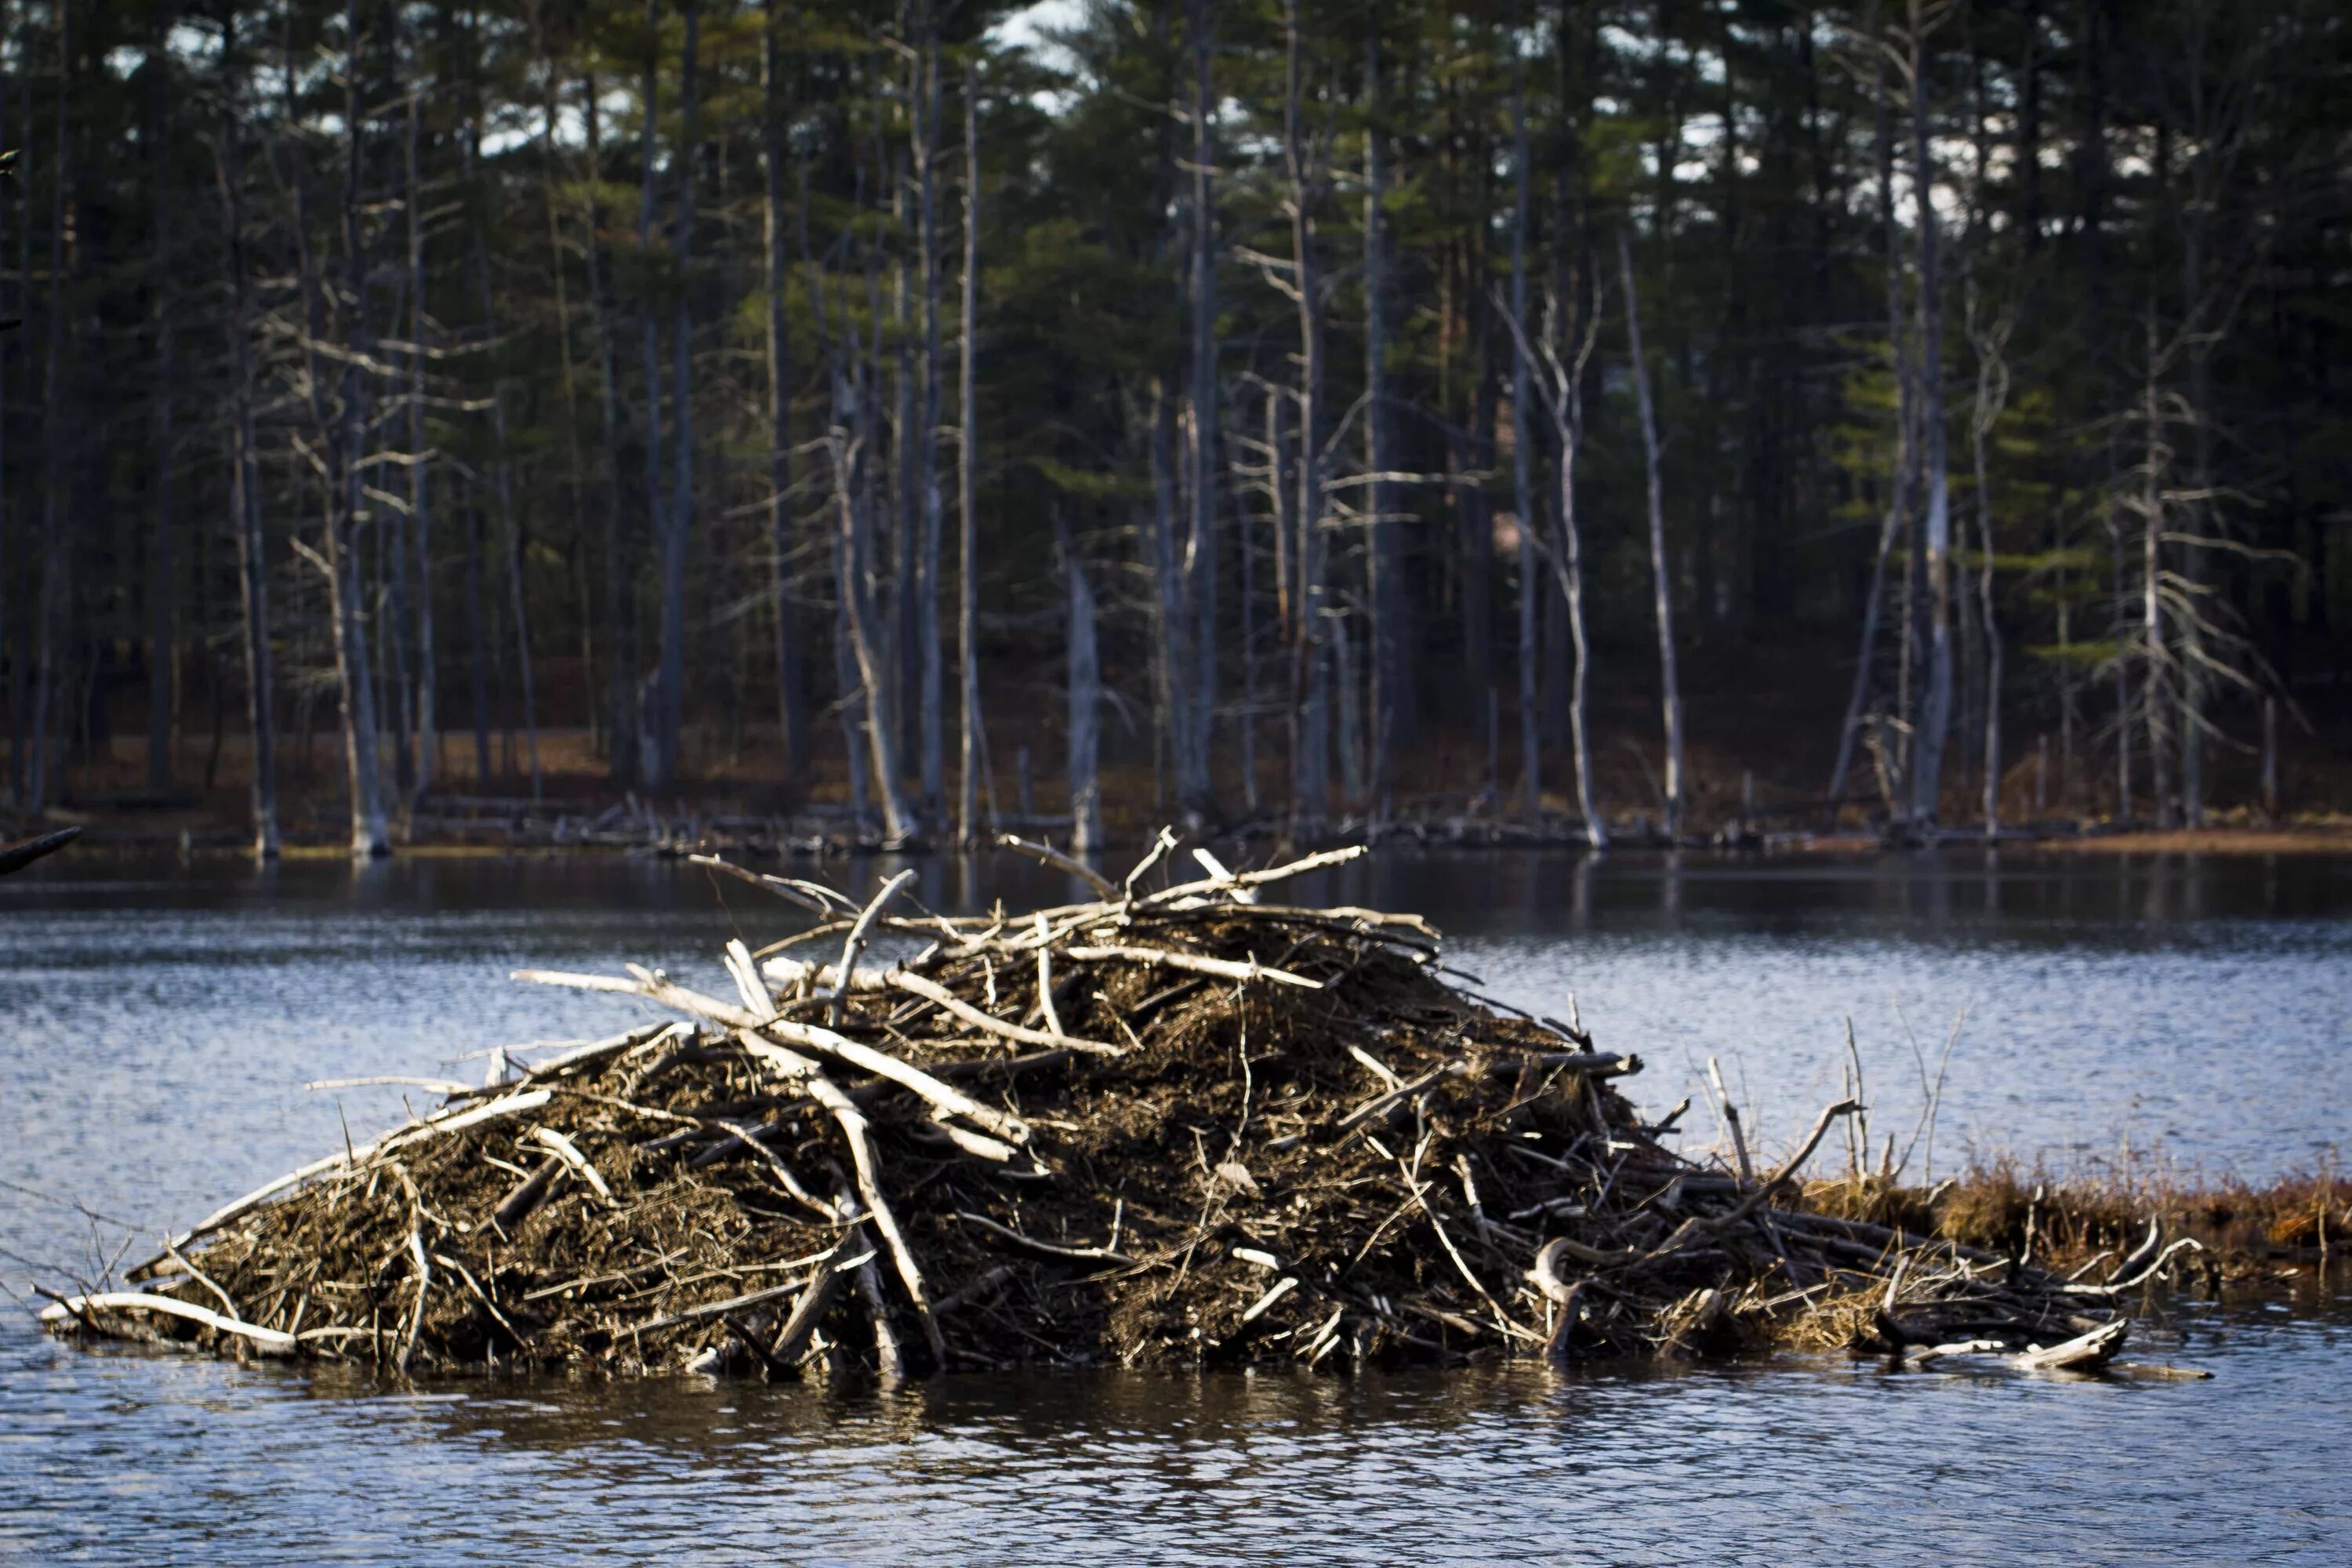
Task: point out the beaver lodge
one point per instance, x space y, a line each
1181 1124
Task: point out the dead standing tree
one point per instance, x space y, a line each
1661 576
1561 392
336 450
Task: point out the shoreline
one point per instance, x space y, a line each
559 828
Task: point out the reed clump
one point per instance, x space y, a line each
1174 1123
2075 1219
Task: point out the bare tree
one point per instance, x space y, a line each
850 440
1991 340
1901 482
1562 393
340 424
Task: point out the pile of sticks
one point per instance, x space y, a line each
1175 1122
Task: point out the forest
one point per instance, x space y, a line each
1252 410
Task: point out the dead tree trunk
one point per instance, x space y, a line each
1900 480
1568 434
1661 576
852 438
1992 394
370 837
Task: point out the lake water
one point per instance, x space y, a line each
160 1020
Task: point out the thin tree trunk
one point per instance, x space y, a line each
420 511
932 696
1661 575
1570 433
55 597
1173 624
644 697
1992 390
669 696
1085 682
1201 557
511 543
244 500
1392 628
621 743
163 650
1249 600
394 543
791 707
1926 775
364 777
968 481
2123 640
852 437
1345 711
2153 651
1310 666
1523 483
1477 516
1900 480
477 643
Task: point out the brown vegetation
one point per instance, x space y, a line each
1171 1126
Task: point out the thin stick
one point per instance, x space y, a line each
855 943
1060 862
1045 982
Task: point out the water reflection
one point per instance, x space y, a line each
161 1019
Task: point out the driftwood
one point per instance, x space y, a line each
1307 1147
